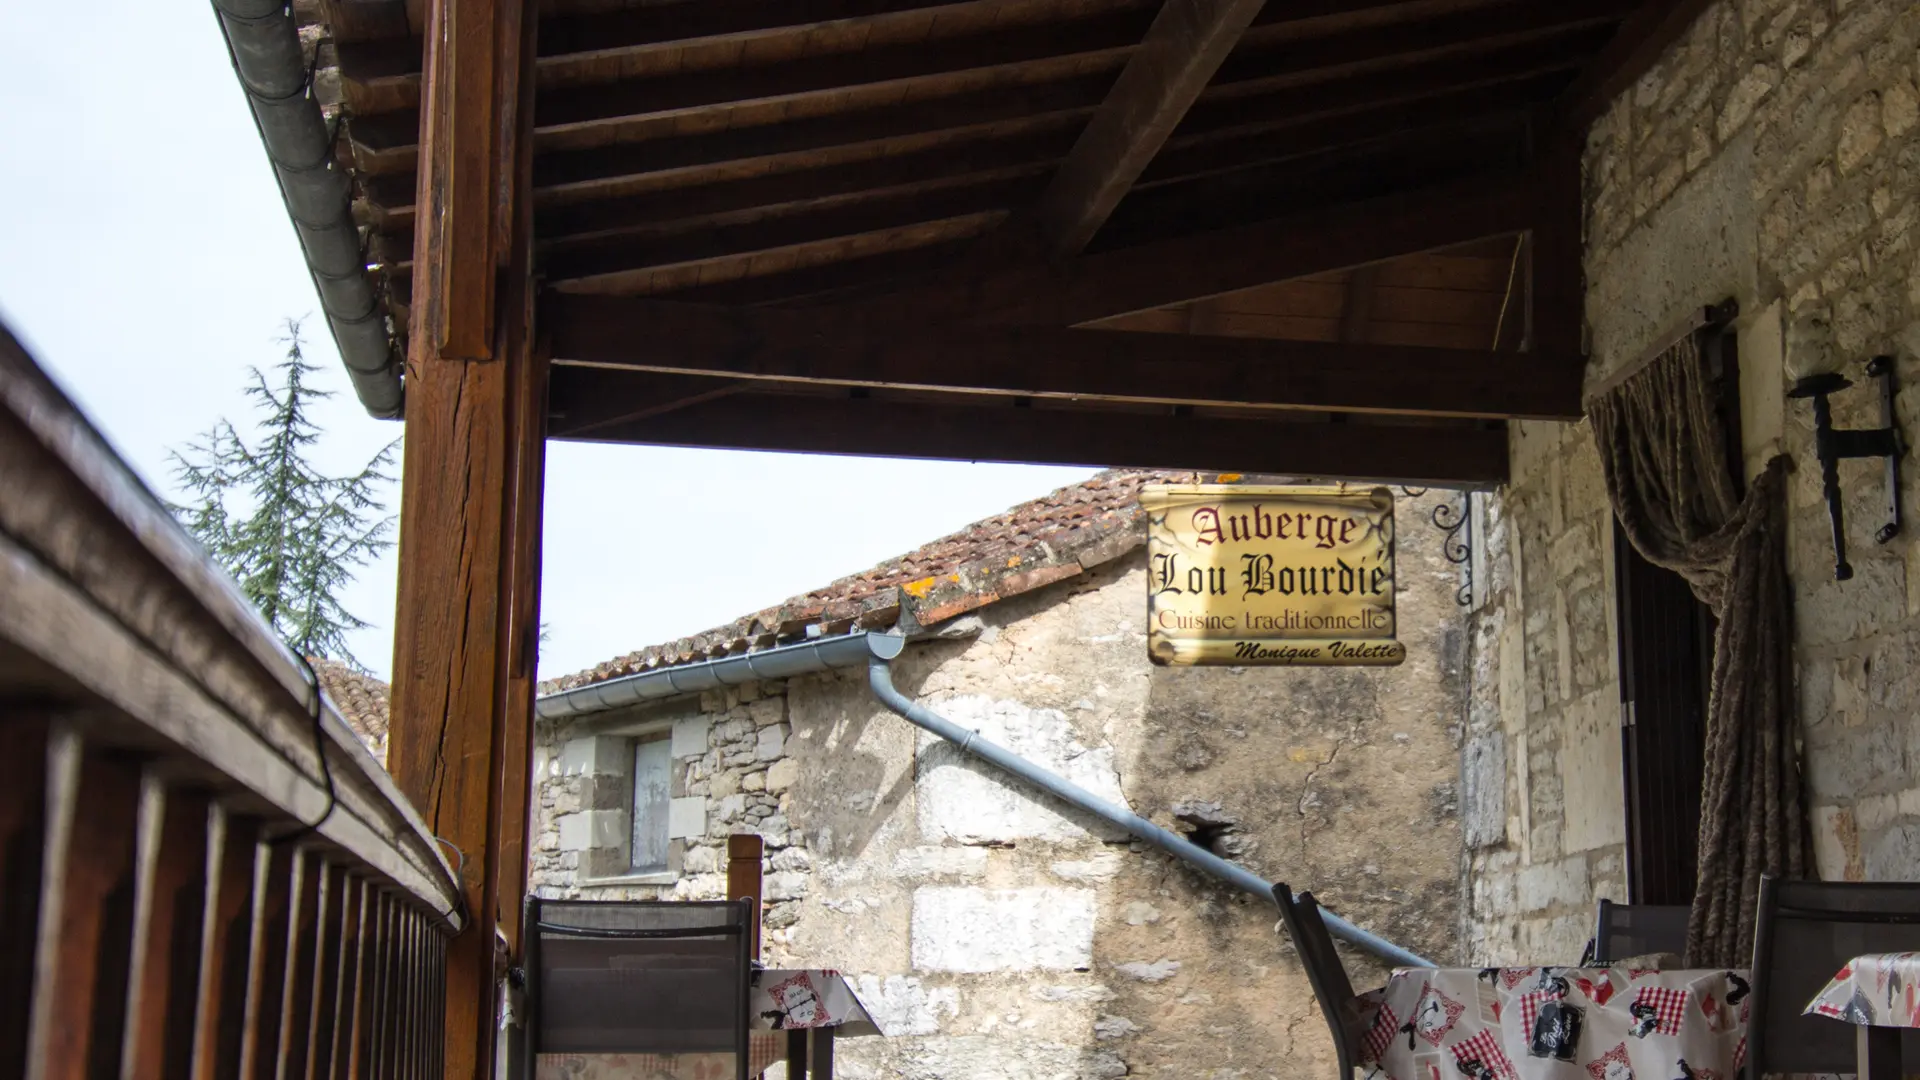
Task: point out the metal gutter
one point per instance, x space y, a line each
785 662
876 652
263 42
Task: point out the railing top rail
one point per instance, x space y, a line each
129 630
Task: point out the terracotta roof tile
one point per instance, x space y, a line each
361 700
1027 547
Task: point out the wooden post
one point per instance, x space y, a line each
744 854
467 617
1558 286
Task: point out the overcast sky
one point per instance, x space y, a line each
146 260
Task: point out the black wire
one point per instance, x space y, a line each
459 884
315 711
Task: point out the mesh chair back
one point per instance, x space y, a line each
1639 929
638 977
1327 975
1806 931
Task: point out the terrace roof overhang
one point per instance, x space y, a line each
1335 237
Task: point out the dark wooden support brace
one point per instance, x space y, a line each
1558 279
768 346
467 615
1183 48
1454 454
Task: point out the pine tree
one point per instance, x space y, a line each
292 536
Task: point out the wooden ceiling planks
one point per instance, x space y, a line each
857 155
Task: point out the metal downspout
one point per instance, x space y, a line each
264 44
880 681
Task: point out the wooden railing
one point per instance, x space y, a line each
202 872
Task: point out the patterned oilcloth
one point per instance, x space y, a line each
808 999
1878 990
1615 1023
763 1049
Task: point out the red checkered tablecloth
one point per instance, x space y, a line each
1554 1023
1878 990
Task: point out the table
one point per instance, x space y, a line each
1880 992
1614 1023
812 1007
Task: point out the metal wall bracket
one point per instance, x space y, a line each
1832 444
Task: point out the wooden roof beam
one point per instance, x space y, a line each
1106 284
1186 44
801 346
1450 455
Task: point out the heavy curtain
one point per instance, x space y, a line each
1673 483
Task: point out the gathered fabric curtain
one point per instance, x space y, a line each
1673 483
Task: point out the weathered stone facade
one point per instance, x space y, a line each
997 934
1771 157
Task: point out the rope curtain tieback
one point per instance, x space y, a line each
1674 486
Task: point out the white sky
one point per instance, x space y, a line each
146 260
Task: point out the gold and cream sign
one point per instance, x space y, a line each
1270 575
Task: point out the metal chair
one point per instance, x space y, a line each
638 977
1637 930
1325 973
1805 932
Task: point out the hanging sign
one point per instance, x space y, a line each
1270 575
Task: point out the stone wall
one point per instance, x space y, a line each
997 934
1770 157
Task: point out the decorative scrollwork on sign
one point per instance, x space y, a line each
1457 523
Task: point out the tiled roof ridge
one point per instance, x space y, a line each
1036 543
362 700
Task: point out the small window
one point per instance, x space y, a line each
652 794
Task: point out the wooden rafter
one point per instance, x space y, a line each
1107 284
1186 44
1455 454
1038 362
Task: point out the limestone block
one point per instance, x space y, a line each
731 808
594 829
597 755
1114 1027
941 1057
1483 786
1543 886
1156 971
781 774
979 930
724 784
771 743
755 781
786 885
687 818
700 859
903 1005
1101 867
792 859
690 736
767 711
925 862
1590 773
967 800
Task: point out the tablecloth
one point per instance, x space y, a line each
1564 1023
790 998
1878 989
